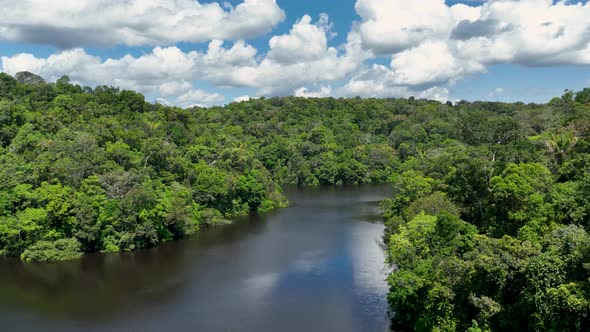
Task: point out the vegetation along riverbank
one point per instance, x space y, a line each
487 228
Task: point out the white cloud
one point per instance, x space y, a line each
432 62
174 88
432 44
165 74
428 45
379 82
74 62
240 54
525 31
162 101
324 91
168 72
199 98
389 26
296 59
496 92
305 42
67 23
327 26
241 99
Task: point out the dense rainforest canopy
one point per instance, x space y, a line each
86 170
488 226
487 230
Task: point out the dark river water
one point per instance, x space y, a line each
315 266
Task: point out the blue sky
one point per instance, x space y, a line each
186 52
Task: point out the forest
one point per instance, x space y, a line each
487 228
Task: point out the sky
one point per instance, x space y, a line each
187 52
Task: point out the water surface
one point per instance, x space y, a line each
315 266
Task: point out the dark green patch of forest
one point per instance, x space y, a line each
84 170
487 228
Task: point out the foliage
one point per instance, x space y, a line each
59 250
488 228
85 170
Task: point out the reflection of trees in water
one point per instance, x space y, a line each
259 273
368 211
242 226
105 285
94 286
340 197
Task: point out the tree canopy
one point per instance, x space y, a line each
487 228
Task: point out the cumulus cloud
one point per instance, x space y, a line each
380 82
323 91
174 88
166 73
432 44
240 54
390 26
496 92
298 58
466 29
67 24
241 99
432 62
422 47
466 39
305 41
199 98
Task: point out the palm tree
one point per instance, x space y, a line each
560 144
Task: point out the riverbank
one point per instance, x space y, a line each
319 258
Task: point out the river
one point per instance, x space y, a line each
315 266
